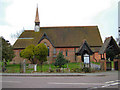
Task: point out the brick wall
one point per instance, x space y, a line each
53 52
17 59
51 48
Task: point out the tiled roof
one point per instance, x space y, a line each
68 36
109 42
84 47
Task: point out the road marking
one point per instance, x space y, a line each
76 83
117 80
111 83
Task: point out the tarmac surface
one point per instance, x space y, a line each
90 81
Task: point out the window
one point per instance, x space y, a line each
45 44
119 30
19 52
54 51
62 52
102 57
48 50
75 50
66 53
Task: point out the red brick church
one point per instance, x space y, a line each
72 41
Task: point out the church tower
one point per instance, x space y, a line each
37 21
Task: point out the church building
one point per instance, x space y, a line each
72 41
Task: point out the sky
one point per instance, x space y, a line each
18 15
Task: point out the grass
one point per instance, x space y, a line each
15 68
112 64
98 63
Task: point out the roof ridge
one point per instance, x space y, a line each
28 30
67 26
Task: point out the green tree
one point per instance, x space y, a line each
28 53
41 53
7 50
110 53
60 60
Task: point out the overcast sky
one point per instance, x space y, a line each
18 14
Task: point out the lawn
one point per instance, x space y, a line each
15 68
70 67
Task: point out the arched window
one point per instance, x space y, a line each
45 44
54 51
61 51
48 50
66 52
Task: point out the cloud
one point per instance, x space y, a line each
21 13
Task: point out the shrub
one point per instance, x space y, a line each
86 69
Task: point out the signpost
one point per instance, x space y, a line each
35 67
86 59
24 66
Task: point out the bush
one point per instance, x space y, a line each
86 69
78 70
60 61
50 71
58 70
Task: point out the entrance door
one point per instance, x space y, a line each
116 65
108 66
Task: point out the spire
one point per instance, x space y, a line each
37 15
37 21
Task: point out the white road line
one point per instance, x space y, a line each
117 80
112 84
112 81
77 83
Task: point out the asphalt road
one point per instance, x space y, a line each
108 80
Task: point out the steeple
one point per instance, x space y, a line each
37 15
37 21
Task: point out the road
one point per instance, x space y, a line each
109 80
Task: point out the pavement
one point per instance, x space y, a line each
60 74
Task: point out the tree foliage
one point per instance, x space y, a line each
41 53
110 54
7 50
28 53
60 60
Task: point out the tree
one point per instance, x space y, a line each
110 53
7 50
41 53
60 60
28 53
17 34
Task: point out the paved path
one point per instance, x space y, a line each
59 74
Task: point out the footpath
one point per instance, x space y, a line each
61 74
